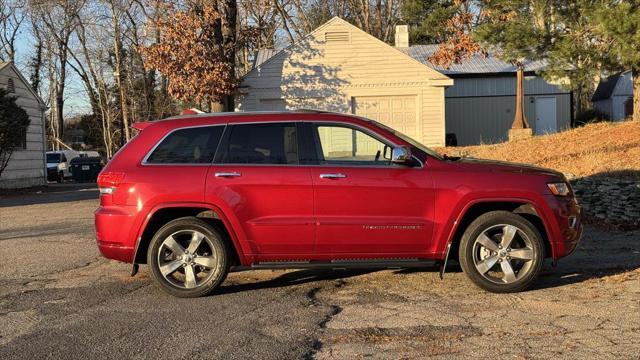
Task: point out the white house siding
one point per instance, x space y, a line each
338 64
26 167
481 109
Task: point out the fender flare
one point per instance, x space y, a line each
450 236
217 210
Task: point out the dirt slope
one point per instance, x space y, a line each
611 149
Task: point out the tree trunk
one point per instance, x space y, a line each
636 94
62 50
519 120
117 49
229 23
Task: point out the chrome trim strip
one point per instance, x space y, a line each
332 176
227 174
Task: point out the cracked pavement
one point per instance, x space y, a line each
60 299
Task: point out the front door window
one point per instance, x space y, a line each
341 145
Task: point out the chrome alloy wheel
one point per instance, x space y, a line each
503 254
187 259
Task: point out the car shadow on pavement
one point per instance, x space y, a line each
52 193
573 270
292 278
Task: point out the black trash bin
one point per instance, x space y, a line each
86 169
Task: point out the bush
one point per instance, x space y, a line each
590 116
13 127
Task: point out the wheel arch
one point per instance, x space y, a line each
524 207
163 213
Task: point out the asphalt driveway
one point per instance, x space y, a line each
60 299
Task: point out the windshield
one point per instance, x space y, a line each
53 158
411 141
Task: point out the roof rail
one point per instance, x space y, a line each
241 113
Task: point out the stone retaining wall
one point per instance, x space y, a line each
609 199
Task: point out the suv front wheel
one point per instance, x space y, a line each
501 252
188 257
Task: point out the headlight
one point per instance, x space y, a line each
61 166
559 189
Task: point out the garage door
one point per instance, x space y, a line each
397 112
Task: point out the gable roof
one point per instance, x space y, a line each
336 19
619 84
12 66
477 64
605 87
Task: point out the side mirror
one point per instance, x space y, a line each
401 155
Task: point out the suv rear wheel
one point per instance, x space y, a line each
188 257
501 252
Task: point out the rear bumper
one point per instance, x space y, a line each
114 235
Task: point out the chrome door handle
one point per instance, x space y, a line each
227 174
332 176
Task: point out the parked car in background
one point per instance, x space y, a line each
86 168
89 153
198 195
58 164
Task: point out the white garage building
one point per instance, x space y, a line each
339 67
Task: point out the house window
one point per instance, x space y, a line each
23 143
11 87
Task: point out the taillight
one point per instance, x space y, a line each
108 181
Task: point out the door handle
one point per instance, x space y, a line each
332 176
227 174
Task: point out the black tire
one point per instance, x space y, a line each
215 241
60 178
528 235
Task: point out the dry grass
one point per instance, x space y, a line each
607 149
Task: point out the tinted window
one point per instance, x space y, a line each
188 146
261 144
53 158
345 145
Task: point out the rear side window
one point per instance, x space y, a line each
188 146
274 143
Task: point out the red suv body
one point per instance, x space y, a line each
314 189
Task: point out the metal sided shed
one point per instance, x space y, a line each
614 96
480 105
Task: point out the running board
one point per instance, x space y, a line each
346 264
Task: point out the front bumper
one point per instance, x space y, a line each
567 231
52 174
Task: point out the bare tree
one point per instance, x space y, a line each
59 18
12 16
116 8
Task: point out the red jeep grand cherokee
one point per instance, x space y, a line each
194 196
